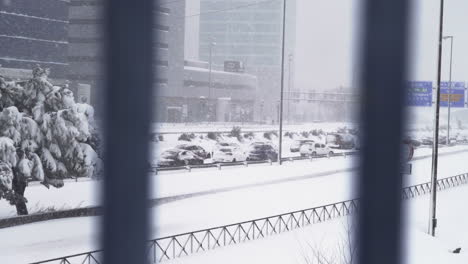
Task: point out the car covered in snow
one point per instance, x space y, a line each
229 154
340 140
200 151
220 145
179 157
315 149
296 145
262 151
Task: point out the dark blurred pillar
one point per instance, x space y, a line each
128 51
383 83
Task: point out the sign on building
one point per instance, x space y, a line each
457 94
233 66
420 93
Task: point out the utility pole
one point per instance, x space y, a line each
208 105
290 58
280 138
210 68
449 101
435 150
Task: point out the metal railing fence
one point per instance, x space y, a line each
176 246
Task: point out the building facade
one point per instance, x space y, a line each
252 34
34 34
229 97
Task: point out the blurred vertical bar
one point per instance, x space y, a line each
128 55
383 82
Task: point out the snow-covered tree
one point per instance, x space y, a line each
44 136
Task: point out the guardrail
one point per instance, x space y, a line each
250 162
171 247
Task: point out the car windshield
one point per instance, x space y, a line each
226 150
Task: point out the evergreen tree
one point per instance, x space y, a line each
44 136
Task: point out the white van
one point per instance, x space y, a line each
314 149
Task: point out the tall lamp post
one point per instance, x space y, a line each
212 44
449 102
280 138
290 58
435 150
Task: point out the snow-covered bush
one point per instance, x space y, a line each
213 135
44 134
236 132
186 137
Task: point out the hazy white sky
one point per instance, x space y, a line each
327 33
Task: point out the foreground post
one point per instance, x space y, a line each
129 55
383 89
435 147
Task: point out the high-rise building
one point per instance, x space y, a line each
86 39
251 32
34 34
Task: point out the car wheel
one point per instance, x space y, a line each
314 154
233 160
330 153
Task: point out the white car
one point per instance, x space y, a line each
296 145
229 154
314 149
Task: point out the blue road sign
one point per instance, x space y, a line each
457 94
419 93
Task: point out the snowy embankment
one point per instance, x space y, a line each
86 193
81 234
67 236
298 246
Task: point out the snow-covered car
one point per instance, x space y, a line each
179 157
314 149
296 145
340 140
461 139
229 154
262 151
221 145
201 152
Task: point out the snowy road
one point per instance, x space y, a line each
69 236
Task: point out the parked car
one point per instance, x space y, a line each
201 152
461 139
227 144
296 145
340 140
229 154
314 149
262 151
427 142
179 157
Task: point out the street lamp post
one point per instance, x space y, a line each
210 68
212 44
435 150
280 138
449 102
290 58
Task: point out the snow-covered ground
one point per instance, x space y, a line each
298 246
68 236
86 193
